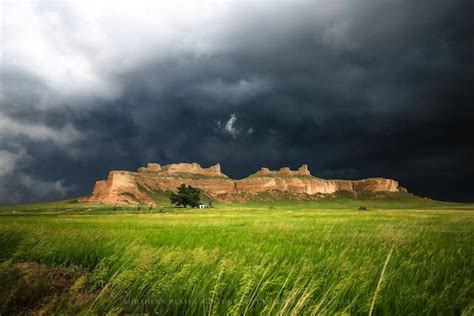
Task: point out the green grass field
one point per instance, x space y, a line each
402 257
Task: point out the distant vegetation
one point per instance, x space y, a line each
402 256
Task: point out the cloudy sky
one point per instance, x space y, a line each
354 88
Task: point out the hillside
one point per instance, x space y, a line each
126 187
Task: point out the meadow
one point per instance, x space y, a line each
400 257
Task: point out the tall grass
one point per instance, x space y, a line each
249 259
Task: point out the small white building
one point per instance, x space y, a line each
203 206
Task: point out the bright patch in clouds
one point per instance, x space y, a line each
62 136
229 126
79 49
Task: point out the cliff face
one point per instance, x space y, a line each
301 181
123 187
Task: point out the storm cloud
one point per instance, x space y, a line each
353 88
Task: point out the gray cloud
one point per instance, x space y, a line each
377 88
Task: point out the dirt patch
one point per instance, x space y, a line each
33 288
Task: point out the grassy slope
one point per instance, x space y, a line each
321 257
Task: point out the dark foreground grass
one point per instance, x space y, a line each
263 258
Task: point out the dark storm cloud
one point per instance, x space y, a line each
373 88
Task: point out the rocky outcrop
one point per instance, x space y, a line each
301 181
283 172
123 187
183 168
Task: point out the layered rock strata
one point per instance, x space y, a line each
124 187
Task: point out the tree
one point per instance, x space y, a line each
186 195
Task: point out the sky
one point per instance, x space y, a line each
355 89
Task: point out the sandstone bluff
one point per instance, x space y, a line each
125 187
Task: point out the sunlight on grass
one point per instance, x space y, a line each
249 259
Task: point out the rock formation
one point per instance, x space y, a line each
124 187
